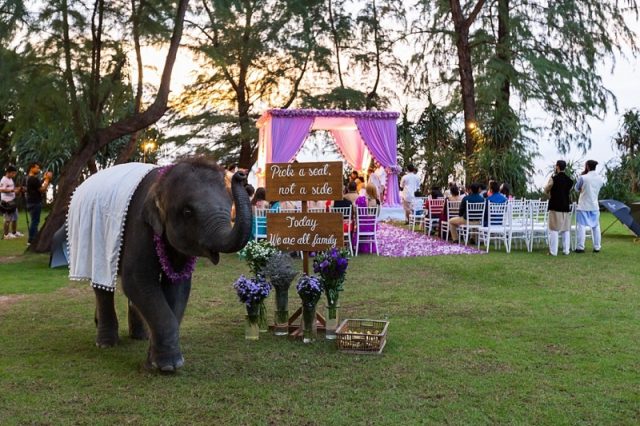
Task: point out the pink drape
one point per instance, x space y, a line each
351 146
287 136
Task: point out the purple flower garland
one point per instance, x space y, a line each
161 250
388 115
165 264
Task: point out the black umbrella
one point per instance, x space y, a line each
59 250
622 212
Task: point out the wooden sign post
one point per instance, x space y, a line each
304 231
304 181
318 181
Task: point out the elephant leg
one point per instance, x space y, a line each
164 342
137 327
106 319
177 296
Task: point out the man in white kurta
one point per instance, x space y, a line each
410 183
381 175
588 210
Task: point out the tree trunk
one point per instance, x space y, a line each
372 96
465 68
94 141
336 44
503 120
125 154
246 147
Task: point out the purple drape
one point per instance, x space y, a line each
287 136
380 136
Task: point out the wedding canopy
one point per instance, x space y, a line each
357 135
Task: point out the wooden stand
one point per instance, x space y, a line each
296 330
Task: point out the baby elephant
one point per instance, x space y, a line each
148 224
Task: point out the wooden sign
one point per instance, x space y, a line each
305 231
304 181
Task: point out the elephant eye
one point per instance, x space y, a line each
187 212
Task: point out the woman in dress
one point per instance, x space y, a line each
258 201
370 199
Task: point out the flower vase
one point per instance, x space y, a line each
309 327
263 324
331 321
282 312
251 330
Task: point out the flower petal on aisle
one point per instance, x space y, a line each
398 242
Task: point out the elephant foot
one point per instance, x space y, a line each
107 340
166 363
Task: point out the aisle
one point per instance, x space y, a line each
399 242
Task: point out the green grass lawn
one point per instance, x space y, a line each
520 338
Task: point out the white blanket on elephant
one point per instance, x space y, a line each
96 220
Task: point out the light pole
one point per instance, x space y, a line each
146 147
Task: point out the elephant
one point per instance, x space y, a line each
187 209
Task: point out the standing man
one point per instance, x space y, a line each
559 189
35 189
588 211
410 183
374 180
381 173
8 193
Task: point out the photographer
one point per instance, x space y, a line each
559 189
8 204
35 189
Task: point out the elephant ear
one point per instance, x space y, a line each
154 213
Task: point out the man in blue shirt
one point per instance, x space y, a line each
493 196
461 219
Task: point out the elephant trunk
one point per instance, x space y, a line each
238 235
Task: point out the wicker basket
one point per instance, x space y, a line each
362 336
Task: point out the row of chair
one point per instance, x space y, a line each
519 220
363 222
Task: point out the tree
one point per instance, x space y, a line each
254 52
93 87
627 141
530 49
441 148
380 57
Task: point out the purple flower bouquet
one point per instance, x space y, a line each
332 265
309 288
251 292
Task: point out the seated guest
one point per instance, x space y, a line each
461 219
436 193
291 205
493 196
258 201
352 194
259 223
340 203
505 190
370 199
250 190
433 195
454 195
317 205
274 206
